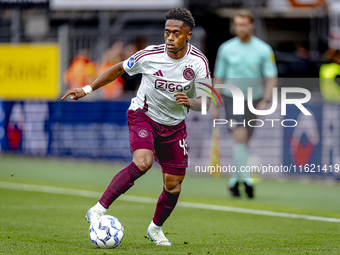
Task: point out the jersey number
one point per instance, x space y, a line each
183 144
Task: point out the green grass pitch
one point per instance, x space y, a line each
43 223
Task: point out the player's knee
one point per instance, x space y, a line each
240 135
173 187
143 159
241 140
143 164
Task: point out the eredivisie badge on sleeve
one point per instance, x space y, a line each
131 62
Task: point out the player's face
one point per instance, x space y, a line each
243 27
176 35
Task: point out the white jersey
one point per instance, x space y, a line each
163 77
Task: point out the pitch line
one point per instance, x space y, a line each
146 200
67 207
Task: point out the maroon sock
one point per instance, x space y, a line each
120 183
165 205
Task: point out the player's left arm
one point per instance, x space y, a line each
193 104
202 83
270 73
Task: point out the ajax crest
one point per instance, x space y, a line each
189 74
143 133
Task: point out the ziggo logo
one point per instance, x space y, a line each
163 86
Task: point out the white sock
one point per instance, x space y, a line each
154 226
100 208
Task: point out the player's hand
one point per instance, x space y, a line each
75 94
215 112
182 99
262 105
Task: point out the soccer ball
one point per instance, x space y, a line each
106 232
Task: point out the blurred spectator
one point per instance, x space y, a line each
131 83
329 77
111 57
301 65
141 43
81 71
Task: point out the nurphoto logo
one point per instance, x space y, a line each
238 105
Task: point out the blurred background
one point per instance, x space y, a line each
50 46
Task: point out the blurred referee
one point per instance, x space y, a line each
244 61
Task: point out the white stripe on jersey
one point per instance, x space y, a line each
162 78
148 52
198 53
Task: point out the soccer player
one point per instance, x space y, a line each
156 116
244 61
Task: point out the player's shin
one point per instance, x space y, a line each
240 156
165 205
120 183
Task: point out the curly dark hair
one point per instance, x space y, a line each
183 15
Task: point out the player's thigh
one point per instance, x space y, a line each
235 122
141 133
251 118
141 138
172 155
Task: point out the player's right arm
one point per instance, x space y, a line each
269 71
215 110
108 76
219 74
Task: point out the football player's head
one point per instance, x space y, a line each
178 29
243 24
